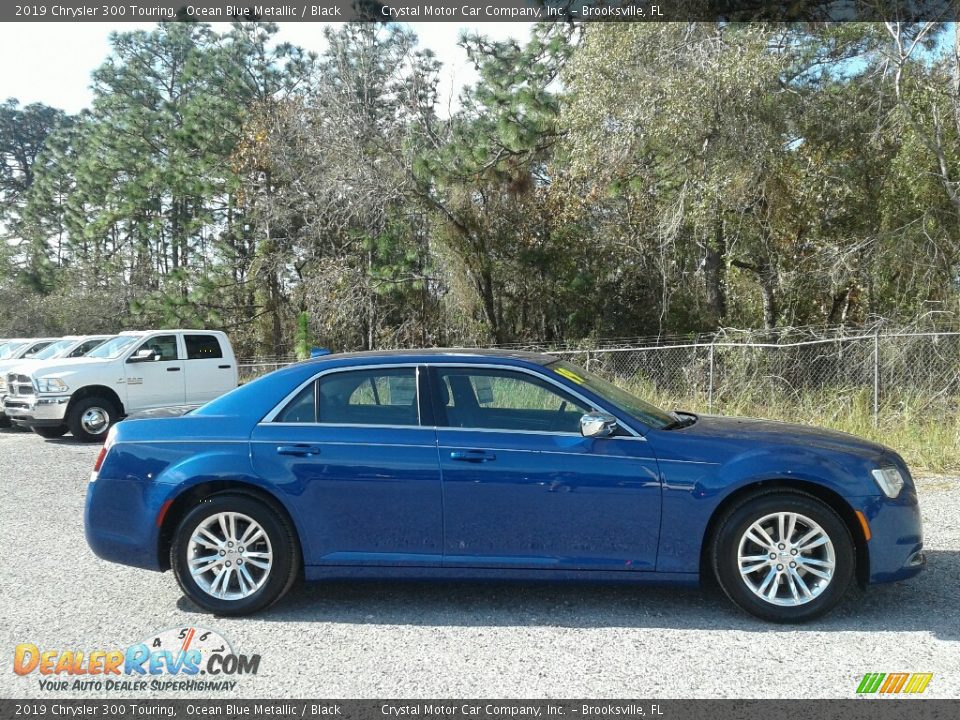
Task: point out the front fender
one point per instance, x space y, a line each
693 492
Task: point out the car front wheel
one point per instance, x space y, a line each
784 557
234 555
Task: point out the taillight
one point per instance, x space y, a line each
108 443
100 457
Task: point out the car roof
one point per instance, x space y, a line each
439 355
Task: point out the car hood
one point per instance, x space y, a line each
771 432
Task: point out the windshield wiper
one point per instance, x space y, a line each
682 419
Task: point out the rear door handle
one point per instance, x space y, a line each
223 367
298 450
474 456
173 369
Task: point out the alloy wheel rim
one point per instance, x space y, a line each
229 556
95 420
786 559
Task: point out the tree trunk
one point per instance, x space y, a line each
769 298
714 266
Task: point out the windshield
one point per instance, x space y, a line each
112 348
7 351
53 349
643 411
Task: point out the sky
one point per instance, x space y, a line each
51 62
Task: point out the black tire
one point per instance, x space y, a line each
283 544
79 425
726 544
50 433
4 421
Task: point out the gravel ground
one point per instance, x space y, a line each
423 640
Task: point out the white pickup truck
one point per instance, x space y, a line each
134 373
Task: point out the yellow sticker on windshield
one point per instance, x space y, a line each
569 375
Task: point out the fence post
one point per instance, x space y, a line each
710 383
876 377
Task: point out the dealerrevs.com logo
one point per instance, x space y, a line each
189 659
894 683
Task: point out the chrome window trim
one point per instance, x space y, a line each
417 366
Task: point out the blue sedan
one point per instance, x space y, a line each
494 465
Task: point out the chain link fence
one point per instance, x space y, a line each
880 373
877 372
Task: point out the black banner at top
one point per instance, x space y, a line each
473 11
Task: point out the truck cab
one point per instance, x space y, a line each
141 372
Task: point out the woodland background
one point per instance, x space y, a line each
596 182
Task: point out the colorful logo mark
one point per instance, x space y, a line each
894 683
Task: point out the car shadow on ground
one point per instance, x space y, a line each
927 603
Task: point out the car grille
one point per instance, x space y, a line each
19 385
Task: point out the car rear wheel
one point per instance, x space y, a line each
234 555
51 432
784 556
90 418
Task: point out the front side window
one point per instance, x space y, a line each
202 347
374 396
505 400
162 348
32 352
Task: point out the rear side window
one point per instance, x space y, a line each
302 409
369 397
358 397
202 347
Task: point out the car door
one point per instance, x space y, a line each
524 489
351 446
208 374
158 380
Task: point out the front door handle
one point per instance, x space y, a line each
173 369
474 456
298 450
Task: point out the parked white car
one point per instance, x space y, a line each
12 353
67 347
135 372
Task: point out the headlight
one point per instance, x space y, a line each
51 385
889 479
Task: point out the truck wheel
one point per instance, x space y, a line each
51 432
4 421
90 418
234 555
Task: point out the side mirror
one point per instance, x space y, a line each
597 425
143 355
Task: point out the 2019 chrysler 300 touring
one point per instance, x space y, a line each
499 465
